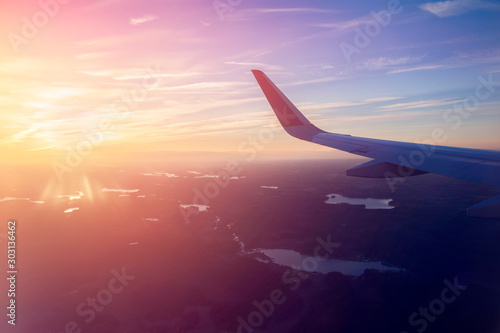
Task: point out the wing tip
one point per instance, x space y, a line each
292 120
256 72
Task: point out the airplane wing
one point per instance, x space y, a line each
393 160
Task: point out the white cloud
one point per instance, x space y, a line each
143 19
292 10
419 104
142 36
19 137
381 99
394 65
386 62
319 80
417 68
457 7
135 73
258 13
445 8
344 25
481 57
348 104
207 87
256 65
53 92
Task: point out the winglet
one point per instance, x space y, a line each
292 120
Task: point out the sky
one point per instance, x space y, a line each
128 76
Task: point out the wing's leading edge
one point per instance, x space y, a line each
393 160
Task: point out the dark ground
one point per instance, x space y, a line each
193 277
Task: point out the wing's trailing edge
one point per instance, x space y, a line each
393 160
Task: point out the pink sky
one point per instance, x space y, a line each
175 75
